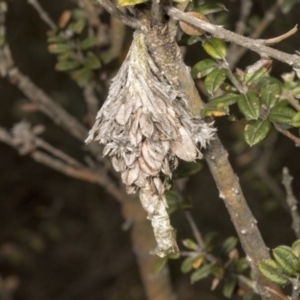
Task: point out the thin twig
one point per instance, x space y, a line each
282 37
278 294
254 45
82 173
117 13
288 134
196 232
240 28
267 19
43 14
291 200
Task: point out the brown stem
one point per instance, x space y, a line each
241 216
257 46
291 201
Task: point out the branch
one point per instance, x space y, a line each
26 142
291 200
257 46
268 17
43 14
285 132
117 13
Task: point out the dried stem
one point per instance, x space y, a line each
285 132
257 46
43 14
197 234
79 172
117 13
291 200
282 37
240 28
267 19
241 216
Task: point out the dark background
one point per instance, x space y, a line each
61 238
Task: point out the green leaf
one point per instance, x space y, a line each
179 1
88 43
186 203
296 120
77 26
159 264
190 244
67 65
210 8
248 296
253 74
187 264
229 287
280 114
2 40
173 200
187 40
82 76
59 48
187 169
229 244
270 93
227 99
249 105
287 260
201 273
296 248
79 14
214 80
296 90
91 61
240 265
203 68
256 131
272 271
130 2
216 48
217 271
215 111
56 39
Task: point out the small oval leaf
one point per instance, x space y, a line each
227 99
130 2
272 271
203 68
296 120
287 260
270 94
159 264
210 8
281 114
190 244
229 244
256 131
214 80
229 287
249 105
201 273
216 48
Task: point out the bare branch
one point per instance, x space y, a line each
196 232
288 134
240 28
117 13
254 45
43 14
291 200
282 37
79 171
